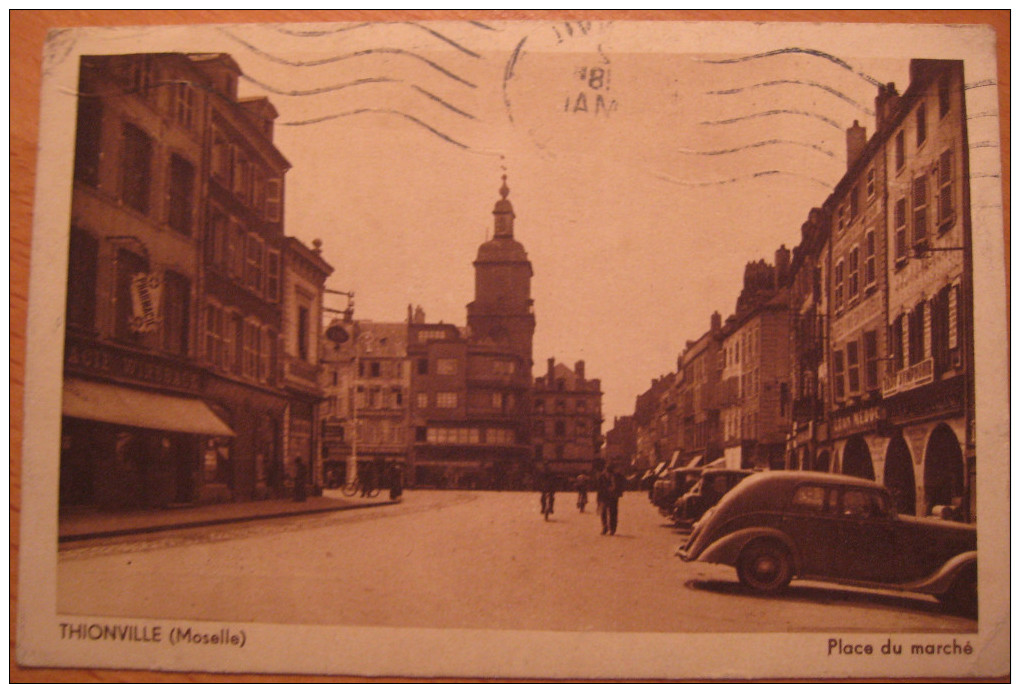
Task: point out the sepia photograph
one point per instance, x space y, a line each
503 348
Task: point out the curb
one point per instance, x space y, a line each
83 536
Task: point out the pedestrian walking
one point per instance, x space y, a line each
610 489
396 477
582 492
300 475
547 485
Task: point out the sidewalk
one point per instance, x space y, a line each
93 524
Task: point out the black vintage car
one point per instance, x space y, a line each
707 492
672 484
775 526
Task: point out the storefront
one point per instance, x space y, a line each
129 447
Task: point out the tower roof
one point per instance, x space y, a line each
502 246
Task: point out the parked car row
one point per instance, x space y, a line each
773 527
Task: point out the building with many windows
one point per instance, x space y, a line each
567 419
470 387
173 389
365 418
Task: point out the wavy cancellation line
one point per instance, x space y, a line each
738 179
799 51
371 110
759 143
342 29
350 55
813 84
351 84
775 112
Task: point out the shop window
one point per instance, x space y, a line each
82 267
88 143
136 168
216 462
176 303
182 185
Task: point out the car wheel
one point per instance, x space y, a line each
961 598
765 566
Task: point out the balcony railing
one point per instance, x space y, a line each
907 379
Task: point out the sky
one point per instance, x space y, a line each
647 162
644 169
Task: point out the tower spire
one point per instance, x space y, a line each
503 213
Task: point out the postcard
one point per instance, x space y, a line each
518 349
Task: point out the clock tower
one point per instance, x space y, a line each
503 310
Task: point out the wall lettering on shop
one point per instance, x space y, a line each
94 359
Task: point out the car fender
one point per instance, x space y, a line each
727 550
941 580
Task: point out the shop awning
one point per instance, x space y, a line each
140 408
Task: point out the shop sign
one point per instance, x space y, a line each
146 297
119 365
907 379
861 420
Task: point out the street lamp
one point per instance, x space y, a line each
339 333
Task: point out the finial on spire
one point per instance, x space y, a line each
504 191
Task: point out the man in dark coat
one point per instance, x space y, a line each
610 489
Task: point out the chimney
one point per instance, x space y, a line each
579 370
551 365
856 139
885 104
782 265
716 321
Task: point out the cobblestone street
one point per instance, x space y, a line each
459 559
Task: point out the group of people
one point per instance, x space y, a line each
609 486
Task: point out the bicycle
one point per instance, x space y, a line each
368 489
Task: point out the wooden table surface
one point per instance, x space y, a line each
27 32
